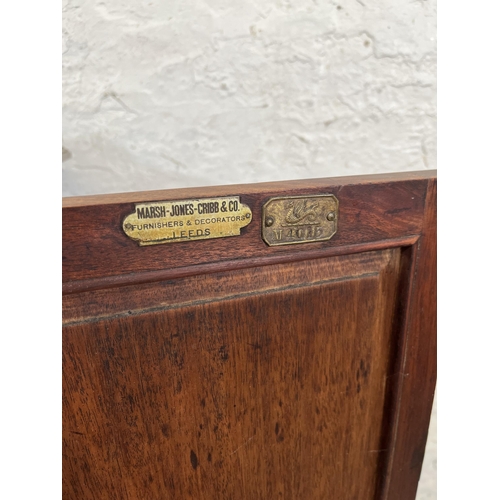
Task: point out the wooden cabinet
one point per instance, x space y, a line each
230 369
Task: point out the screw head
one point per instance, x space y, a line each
331 216
269 221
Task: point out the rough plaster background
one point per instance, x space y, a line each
160 94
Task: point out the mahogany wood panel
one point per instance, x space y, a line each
227 369
278 393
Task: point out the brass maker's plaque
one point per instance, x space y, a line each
158 222
299 219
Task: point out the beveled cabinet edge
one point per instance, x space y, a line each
182 272
416 364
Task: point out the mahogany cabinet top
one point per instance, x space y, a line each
379 210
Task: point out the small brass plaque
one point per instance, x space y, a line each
186 220
299 219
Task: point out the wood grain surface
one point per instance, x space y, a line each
227 369
97 253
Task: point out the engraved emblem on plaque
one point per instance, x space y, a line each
299 219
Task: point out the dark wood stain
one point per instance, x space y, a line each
194 459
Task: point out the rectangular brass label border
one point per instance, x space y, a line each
291 220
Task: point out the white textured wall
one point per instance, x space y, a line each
160 94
